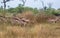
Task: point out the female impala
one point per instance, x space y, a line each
53 20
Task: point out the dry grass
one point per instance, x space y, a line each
37 30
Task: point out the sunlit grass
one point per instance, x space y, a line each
39 28
38 31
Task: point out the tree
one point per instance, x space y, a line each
50 5
5 1
43 5
23 1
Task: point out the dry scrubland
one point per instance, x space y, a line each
40 28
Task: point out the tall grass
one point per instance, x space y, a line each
38 31
39 28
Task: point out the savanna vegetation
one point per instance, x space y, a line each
28 22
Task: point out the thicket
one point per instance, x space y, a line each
21 9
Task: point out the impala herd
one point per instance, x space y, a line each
24 21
